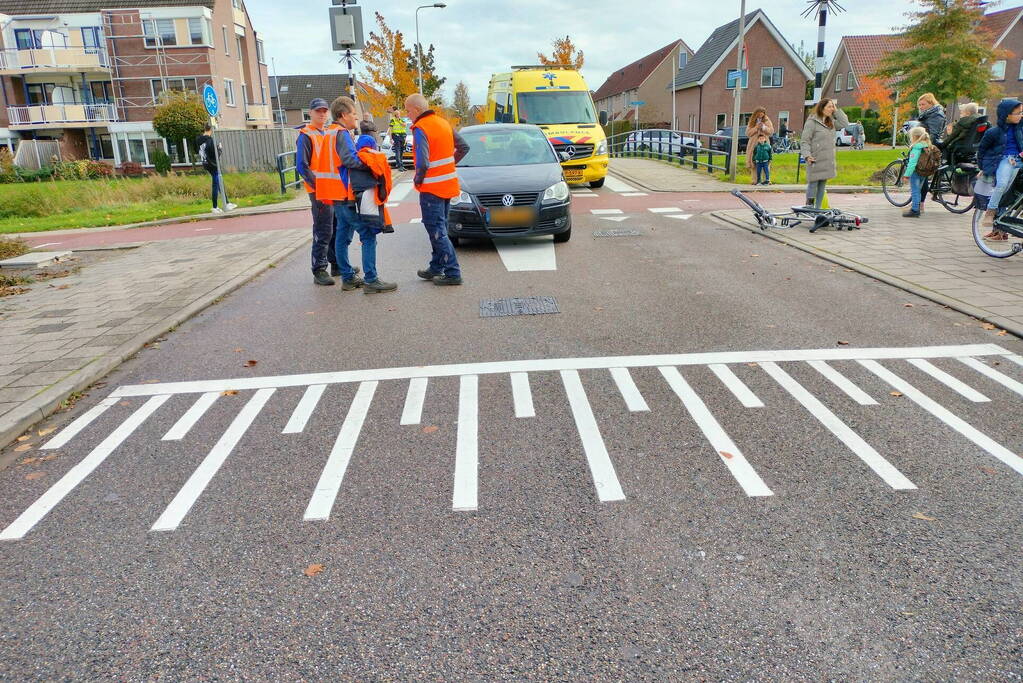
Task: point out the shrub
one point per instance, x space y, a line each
71 170
132 169
97 169
7 172
161 162
854 113
180 115
28 175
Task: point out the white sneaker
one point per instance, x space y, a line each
216 210
231 207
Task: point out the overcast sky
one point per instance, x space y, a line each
475 38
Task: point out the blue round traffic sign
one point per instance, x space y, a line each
210 100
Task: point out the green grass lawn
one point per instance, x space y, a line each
855 167
37 207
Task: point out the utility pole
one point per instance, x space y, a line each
737 93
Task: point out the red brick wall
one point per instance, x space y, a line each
845 97
1012 86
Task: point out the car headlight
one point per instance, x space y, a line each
558 192
602 148
462 198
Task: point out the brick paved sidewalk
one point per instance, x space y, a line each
659 176
66 333
934 256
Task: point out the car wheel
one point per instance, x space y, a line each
597 183
563 236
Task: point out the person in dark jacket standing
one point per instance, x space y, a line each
209 155
1000 156
931 116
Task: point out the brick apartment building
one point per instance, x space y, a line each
859 56
776 79
645 80
290 96
90 72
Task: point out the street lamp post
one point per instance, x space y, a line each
419 49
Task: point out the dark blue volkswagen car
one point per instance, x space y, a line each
512 185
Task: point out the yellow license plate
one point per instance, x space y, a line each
574 173
511 217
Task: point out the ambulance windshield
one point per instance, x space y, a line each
553 108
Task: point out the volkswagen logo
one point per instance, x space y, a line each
508 200
570 151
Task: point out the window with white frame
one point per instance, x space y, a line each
195 31
998 70
849 83
1021 71
722 121
260 54
783 119
683 59
227 49
238 46
772 76
176 84
159 31
237 4
305 116
838 83
229 92
279 117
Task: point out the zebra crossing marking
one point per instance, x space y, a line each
616 185
466 466
605 212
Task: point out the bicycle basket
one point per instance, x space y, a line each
962 179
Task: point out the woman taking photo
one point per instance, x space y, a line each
818 146
759 124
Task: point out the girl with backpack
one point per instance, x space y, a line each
924 159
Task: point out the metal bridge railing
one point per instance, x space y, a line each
699 150
282 171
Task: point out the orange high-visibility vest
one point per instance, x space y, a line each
381 169
441 179
324 162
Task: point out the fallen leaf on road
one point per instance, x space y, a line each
23 447
598 308
896 393
47 458
44 432
124 403
310 312
26 437
32 476
430 429
988 470
250 363
920 515
843 343
752 365
313 569
238 350
849 270
229 392
1002 333
726 455
989 326
392 309
908 305
27 461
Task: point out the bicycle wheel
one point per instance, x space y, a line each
944 195
895 186
994 248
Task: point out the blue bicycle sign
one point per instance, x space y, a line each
210 100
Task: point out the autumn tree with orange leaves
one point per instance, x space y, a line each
875 94
565 52
387 66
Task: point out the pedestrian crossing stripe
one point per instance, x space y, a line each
466 460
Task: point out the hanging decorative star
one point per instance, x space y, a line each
815 6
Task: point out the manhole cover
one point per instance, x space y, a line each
620 232
526 305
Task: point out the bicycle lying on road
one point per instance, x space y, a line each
944 185
798 215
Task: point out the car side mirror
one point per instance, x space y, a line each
603 117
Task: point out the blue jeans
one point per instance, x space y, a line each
765 168
216 189
435 220
1004 176
916 186
349 218
323 234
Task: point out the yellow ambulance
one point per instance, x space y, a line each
557 99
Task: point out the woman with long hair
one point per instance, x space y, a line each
759 126
818 147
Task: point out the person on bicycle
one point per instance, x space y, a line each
919 140
959 133
818 146
1000 155
932 117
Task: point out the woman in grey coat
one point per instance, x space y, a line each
818 147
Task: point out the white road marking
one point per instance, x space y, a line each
843 383
634 400
207 469
634 194
304 409
605 212
584 194
601 467
719 440
991 373
948 380
412 413
202 229
325 493
616 219
615 185
416 220
665 209
680 216
557 364
527 253
863 450
46 244
191 416
522 395
1018 360
465 496
56 493
956 423
83 421
742 392
400 191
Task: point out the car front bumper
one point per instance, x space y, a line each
585 170
465 220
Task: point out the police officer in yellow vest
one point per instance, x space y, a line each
396 126
437 149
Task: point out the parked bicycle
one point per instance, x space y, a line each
950 191
781 145
1010 223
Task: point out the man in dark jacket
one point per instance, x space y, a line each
210 158
1000 155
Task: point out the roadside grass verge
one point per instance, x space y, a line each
855 167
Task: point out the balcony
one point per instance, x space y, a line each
63 115
53 60
258 114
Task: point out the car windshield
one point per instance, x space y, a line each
507 148
553 108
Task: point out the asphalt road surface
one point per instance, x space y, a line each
721 459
